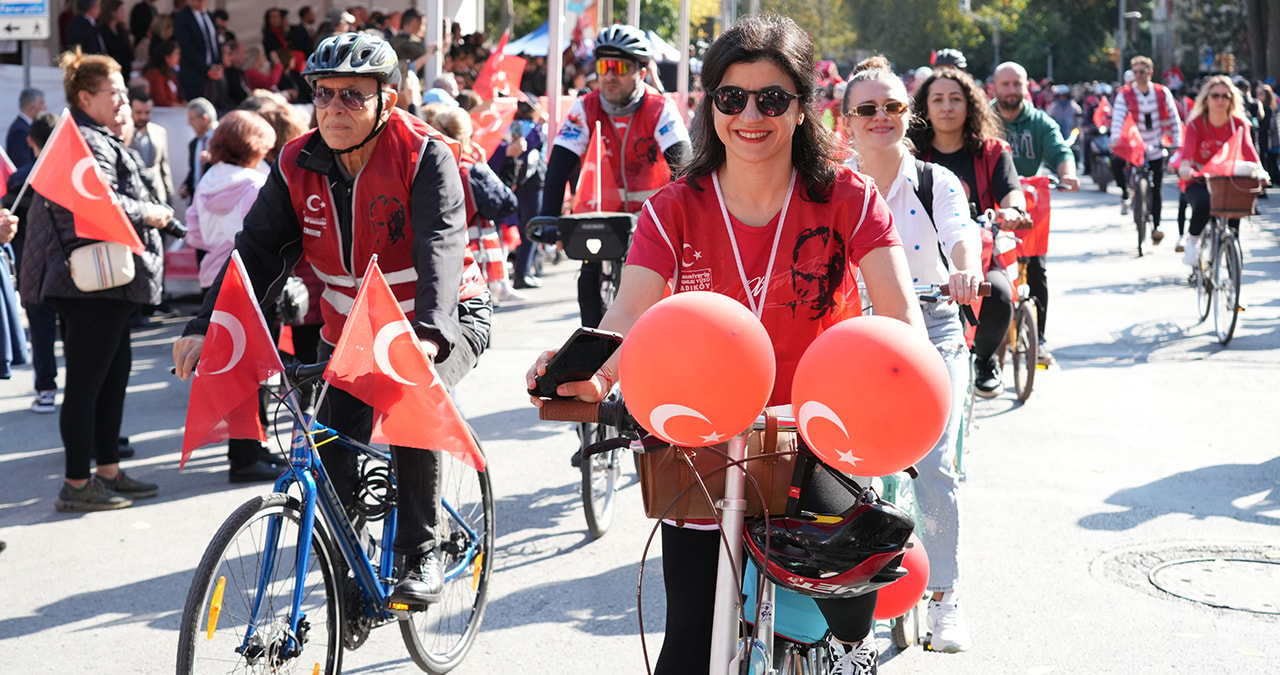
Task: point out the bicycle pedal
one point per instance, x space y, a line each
576 460
403 609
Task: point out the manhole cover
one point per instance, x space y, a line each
1229 583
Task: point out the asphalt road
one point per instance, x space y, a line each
1147 443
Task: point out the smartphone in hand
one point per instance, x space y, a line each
578 359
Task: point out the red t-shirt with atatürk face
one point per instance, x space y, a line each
682 235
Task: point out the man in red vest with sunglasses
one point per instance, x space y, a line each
644 137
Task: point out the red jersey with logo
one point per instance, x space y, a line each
1203 140
682 236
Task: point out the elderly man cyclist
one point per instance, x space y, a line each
645 139
319 200
1034 139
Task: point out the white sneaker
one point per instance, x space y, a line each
1124 206
1181 245
1191 252
502 293
946 625
859 659
44 403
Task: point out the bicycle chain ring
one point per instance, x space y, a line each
357 620
376 494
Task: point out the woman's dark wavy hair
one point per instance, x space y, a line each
777 39
980 121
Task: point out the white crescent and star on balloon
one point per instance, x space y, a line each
664 413
811 410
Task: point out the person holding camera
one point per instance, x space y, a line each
96 323
644 138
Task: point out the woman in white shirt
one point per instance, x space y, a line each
943 249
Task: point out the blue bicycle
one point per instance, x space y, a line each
289 580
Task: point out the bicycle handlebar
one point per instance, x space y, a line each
937 292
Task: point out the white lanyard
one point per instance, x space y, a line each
756 309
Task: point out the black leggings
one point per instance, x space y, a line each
1197 195
995 317
689 560
98 356
1157 180
1038 283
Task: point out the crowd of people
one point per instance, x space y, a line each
892 168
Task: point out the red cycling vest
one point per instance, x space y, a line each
380 218
635 157
984 164
1131 102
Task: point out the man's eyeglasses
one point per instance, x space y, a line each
770 101
890 108
352 98
615 66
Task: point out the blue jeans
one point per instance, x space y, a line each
937 488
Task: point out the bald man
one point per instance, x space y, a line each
1035 140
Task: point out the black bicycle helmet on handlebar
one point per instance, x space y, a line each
858 553
950 57
623 41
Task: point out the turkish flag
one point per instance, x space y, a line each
86 195
6 169
1129 145
1102 114
489 124
596 179
379 361
501 74
1035 242
1223 162
238 355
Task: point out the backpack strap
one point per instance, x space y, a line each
924 192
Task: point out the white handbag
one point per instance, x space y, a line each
101 265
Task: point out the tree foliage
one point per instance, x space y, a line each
1216 25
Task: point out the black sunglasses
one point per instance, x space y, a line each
353 99
770 101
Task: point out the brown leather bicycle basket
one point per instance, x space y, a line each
1233 196
666 472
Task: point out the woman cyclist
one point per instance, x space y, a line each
960 132
942 247
1216 115
762 180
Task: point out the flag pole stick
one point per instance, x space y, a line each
600 167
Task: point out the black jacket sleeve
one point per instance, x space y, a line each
438 213
561 167
270 246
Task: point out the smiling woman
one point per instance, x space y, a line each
766 217
96 324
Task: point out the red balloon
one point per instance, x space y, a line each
697 368
871 396
900 596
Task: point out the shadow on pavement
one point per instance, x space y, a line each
601 605
157 602
1245 492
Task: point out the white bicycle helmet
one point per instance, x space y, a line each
353 55
623 41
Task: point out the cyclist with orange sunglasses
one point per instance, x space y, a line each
644 137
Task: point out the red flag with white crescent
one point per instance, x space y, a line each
489 124
597 189
86 195
238 355
379 361
1223 162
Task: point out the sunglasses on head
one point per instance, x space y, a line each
353 99
770 101
615 66
890 108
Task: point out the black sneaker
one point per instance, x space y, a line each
92 496
134 489
260 471
986 381
423 580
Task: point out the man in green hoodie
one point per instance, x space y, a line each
1034 139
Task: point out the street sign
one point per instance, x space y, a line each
24 20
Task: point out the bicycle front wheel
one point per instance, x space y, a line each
1141 210
255 551
439 637
600 476
1025 348
1226 288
